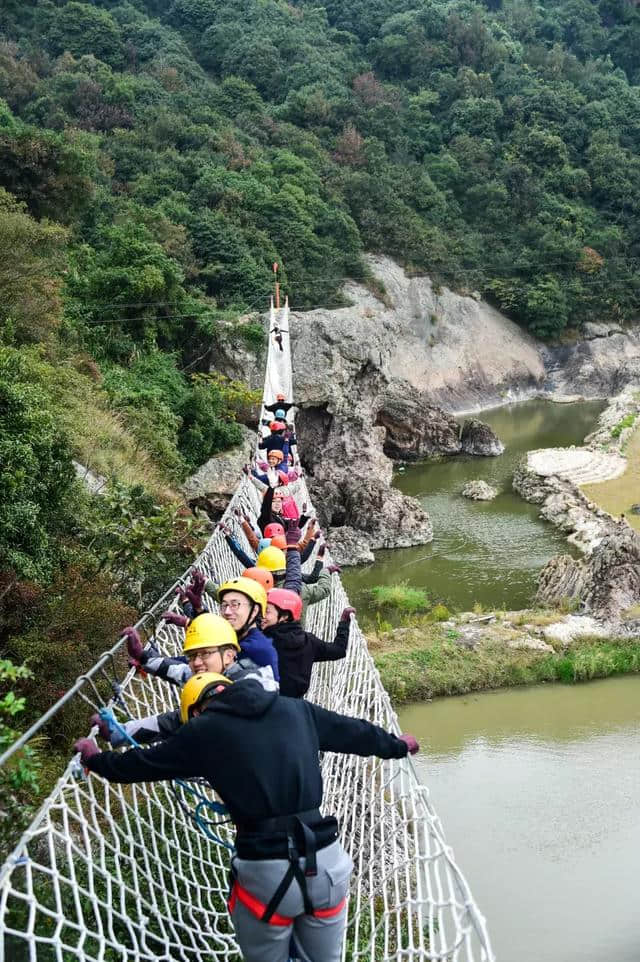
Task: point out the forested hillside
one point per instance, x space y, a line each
157 157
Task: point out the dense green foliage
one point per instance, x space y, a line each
190 144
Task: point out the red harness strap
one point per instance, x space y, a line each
258 908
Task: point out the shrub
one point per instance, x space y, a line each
401 597
19 777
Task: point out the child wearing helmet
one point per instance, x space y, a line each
298 649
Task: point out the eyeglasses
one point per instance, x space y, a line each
230 605
203 654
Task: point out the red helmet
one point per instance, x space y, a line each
277 426
285 600
273 529
262 575
279 541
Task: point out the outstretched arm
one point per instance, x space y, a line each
355 736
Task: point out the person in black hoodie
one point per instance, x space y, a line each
259 751
298 649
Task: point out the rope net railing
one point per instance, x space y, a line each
108 872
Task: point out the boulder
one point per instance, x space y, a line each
95 483
381 515
349 547
219 475
479 491
477 438
416 429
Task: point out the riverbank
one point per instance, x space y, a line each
427 659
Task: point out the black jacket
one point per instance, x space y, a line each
298 649
279 406
257 749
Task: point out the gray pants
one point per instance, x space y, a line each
316 939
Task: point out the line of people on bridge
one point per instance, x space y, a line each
243 725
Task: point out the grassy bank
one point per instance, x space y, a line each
425 660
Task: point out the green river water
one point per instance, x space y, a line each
538 790
487 552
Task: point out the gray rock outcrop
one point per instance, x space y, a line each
416 429
94 483
217 478
350 547
477 438
607 582
479 491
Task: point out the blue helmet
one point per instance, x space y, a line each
263 543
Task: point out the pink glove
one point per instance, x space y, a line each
135 648
174 618
333 569
103 728
411 743
87 748
346 614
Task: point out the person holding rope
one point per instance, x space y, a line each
259 752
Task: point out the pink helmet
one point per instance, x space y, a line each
285 600
273 530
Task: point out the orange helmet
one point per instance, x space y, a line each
279 541
262 575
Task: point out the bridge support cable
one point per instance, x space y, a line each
107 872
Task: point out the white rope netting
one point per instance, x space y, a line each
112 873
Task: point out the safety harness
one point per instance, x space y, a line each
297 829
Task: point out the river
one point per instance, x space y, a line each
486 552
538 790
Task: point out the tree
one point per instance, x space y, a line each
81 28
36 473
32 259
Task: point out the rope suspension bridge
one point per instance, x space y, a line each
108 872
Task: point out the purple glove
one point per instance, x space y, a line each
346 614
174 618
293 535
135 648
333 569
411 743
103 728
87 748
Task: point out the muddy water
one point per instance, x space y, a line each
487 552
538 790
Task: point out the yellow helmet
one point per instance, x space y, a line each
273 559
209 631
195 690
248 587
